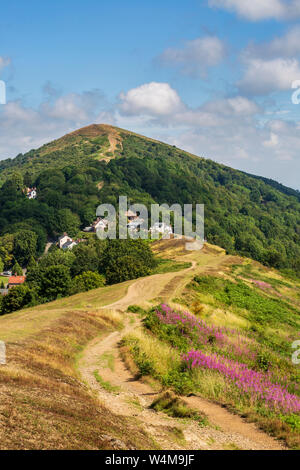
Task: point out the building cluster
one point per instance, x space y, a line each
65 242
134 224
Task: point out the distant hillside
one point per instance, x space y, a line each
283 189
250 215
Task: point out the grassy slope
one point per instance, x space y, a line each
43 405
22 324
271 333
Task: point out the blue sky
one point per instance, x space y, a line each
213 76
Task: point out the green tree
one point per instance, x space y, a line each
25 243
32 264
17 270
126 259
55 281
57 257
86 259
1 265
86 281
17 298
67 222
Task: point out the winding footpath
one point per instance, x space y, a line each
128 396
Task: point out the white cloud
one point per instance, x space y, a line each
265 76
23 128
215 113
256 10
285 46
74 106
227 130
271 66
196 56
153 99
273 141
236 106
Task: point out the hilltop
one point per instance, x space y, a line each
245 214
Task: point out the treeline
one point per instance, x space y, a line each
243 214
88 266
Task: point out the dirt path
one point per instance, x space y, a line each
125 395
114 140
146 289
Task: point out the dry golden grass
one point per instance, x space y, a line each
161 355
22 324
44 405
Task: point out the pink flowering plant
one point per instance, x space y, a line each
246 366
185 331
257 385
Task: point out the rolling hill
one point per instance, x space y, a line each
245 214
109 368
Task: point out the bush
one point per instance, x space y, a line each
54 282
123 260
173 406
86 281
136 309
17 298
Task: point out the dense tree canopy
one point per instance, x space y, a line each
253 216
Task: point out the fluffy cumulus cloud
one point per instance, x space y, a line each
256 10
266 76
286 46
230 131
4 62
153 99
158 101
271 66
196 56
236 106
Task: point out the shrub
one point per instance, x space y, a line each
173 406
86 281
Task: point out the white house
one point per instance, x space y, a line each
98 224
69 245
131 215
64 239
135 224
161 228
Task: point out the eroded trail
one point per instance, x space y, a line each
124 395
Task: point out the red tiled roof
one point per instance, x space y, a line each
16 279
